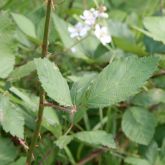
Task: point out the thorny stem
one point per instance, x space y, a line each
42 93
65 109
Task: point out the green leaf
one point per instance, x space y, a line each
7 45
159 82
7 62
129 46
117 14
22 71
96 138
83 47
80 87
120 80
3 3
63 141
136 161
162 152
150 152
78 93
24 24
139 125
152 97
10 118
155 25
53 82
62 29
20 161
8 151
119 29
29 100
51 121
153 46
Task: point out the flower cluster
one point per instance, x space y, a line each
90 22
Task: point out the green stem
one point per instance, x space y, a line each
101 123
70 156
101 117
86 121
42 93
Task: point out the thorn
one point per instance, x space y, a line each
23 143
39 135
33 157
74 109
52 3
53 6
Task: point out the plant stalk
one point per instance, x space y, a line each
42 93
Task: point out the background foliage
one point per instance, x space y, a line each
119 93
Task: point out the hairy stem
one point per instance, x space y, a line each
42 93
65 109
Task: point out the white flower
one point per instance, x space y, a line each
78 31
101 12
102 15
89 16
102 34
73 50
